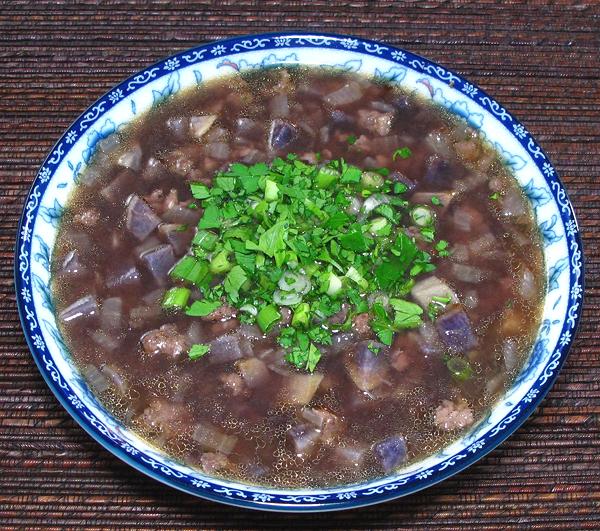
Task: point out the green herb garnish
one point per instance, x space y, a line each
281 237
198 351
403 153
495 196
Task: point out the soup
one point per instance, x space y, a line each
298 277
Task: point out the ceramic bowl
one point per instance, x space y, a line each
59 174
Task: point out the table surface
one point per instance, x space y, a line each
541 61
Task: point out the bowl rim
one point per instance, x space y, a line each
575 252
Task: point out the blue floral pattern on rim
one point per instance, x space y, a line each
554 211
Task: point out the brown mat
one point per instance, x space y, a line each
541 61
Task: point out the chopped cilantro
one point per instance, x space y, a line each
198 351
351 139
403 153
202 308
495 196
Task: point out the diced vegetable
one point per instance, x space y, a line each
140 218
390 452
424 290
456 331
176 298
81 309
300 388
212 438
254 372
267 317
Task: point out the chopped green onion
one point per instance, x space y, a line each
351 139
331 284
355 276
422 216
459 368
326 177
289 298
495 196
220 263
379 227
176 298
435 200
271 191
205 239
250 309
191 270
371 180
301 315
267 317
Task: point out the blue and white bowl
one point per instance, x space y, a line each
534 172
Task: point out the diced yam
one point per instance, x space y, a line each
455 330
281 134
466 218
71 264
140 316
467 273
214 462
212 438
328 424
116 378
132 158
217 150
125 274
375 121
109 342
367 369
300 388
199 125
159 262
225 349
178 236
513 204
390 452
424 198
304 439
181 214
163 416
80 309
98 381
424 290
350 455
254 372
166 341
111 313
453 415
345 95
140 218
526 284
114 191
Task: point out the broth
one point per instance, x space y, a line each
241 411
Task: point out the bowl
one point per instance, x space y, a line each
530 165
